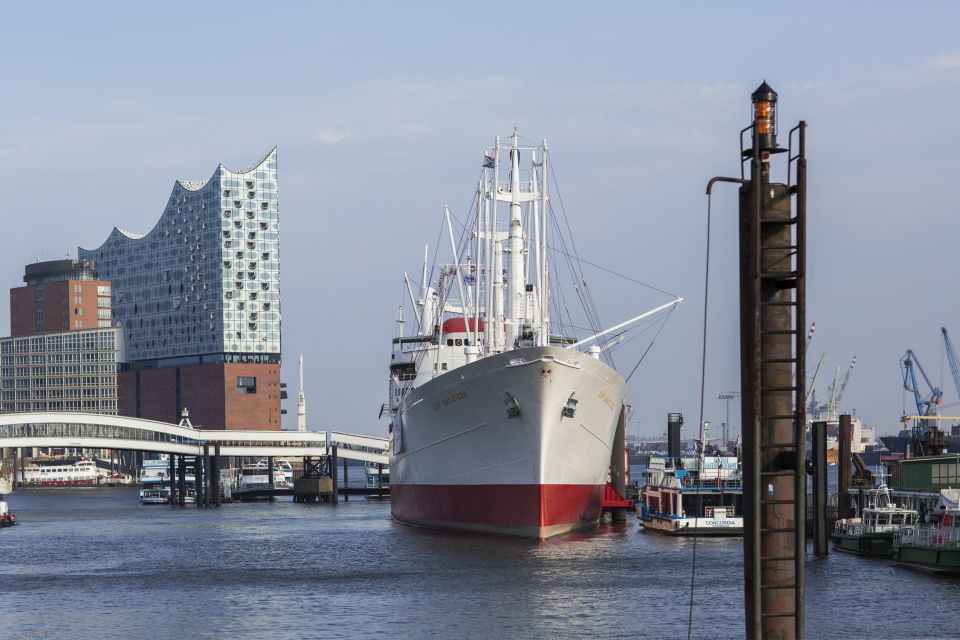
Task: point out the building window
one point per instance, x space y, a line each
246 384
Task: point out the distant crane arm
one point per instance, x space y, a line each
951 358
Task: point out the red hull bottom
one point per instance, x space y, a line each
526 510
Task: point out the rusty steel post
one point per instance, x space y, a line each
182 480
218 490
819 440
173 477
844 438
618 464
772 296
335 498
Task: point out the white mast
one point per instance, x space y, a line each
543 280
301 403
515 287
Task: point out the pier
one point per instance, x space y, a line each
19 431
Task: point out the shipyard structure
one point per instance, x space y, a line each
198 302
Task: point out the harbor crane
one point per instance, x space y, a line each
951 358
926 406
837 395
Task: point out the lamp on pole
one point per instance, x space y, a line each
728 396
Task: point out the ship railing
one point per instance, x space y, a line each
926 537
713 484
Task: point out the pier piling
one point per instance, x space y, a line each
217 489
173 476
346 479
182 480
844 437
772 346
819 441
335 498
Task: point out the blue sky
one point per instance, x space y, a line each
381 110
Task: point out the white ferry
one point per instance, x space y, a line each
700 495
254 477
82 472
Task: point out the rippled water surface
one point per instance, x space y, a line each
94 563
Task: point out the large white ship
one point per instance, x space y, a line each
498 424
82 472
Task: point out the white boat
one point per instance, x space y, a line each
284 465
256 477
702 496
6 480
375 475
83 472
696 495
161 495
499 425
7 518
157 472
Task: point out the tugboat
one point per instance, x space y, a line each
872 533
933 548
7 518
700 495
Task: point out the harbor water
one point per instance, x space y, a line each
95 563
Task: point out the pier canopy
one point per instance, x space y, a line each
92 431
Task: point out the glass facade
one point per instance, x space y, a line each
69 371
205 282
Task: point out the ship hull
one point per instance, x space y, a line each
460 461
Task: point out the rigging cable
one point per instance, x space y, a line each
703 444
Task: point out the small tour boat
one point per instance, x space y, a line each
7 518
872 533
934 547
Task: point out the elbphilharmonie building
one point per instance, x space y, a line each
198 299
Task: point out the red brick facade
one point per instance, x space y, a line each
68 305
209 391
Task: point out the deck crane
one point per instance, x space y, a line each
951 358
926 406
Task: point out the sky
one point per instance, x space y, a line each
381 111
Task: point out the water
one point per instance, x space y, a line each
94 563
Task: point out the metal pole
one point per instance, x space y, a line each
379 481
182 481
198 480
819 438
216 466
772 309
843 465
173 476
618 478
270 474
346 480
335 498
208 469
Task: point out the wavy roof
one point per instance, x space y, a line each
189 185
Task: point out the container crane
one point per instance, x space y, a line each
926 406
951 358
